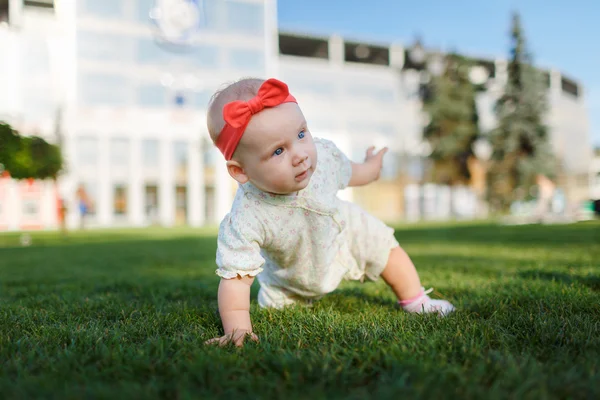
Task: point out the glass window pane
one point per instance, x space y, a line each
87 195
96 89
102 47
86 151
120 199
152 95
253 60
205 56
150 52
150 153
371 92
245 18
151 202
103 8
181 156
119 152
143 8
305 84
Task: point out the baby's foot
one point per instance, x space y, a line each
422 303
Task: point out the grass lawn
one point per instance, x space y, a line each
124 314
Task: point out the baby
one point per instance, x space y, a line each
287 227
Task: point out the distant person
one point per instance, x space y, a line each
546 189
287 226
83 203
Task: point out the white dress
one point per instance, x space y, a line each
302 246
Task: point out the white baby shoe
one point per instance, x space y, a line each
422 303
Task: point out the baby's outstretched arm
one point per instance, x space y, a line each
368 171
234 308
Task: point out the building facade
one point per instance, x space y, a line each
124 85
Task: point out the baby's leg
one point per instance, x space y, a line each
401 275
376 253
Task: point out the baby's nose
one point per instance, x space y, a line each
300 157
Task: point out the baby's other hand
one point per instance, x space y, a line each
236 337
375 160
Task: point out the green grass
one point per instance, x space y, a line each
124 314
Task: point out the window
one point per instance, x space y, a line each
371 92
152 96
366 54
120 199
570 87
143 8
244 18
49 4
490 66
180 204
87 194
180 156
100 89
150 153
103 8
4 13
119 152
151 202
319 86
253 60
151 52
102 46
30 207
86 151
205 56
303 47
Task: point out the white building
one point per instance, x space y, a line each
134 110
133 78
595 177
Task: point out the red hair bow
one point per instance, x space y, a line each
237 114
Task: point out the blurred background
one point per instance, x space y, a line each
488 108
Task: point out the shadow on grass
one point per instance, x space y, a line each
591 281
555 235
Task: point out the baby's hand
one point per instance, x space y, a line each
375 160
236 337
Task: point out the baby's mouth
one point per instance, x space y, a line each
301 176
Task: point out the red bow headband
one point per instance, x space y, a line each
237 114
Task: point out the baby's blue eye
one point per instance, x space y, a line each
278 152
301 135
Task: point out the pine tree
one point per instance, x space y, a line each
449 100
521 149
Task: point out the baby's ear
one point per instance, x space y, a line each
236 171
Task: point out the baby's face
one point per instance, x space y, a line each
277 151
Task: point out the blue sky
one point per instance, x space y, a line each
560 34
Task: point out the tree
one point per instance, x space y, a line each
28 157
449 100
521 148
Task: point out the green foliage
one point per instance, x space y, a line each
453 126
521 148
124 314
28 157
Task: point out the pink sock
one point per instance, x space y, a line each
412 299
